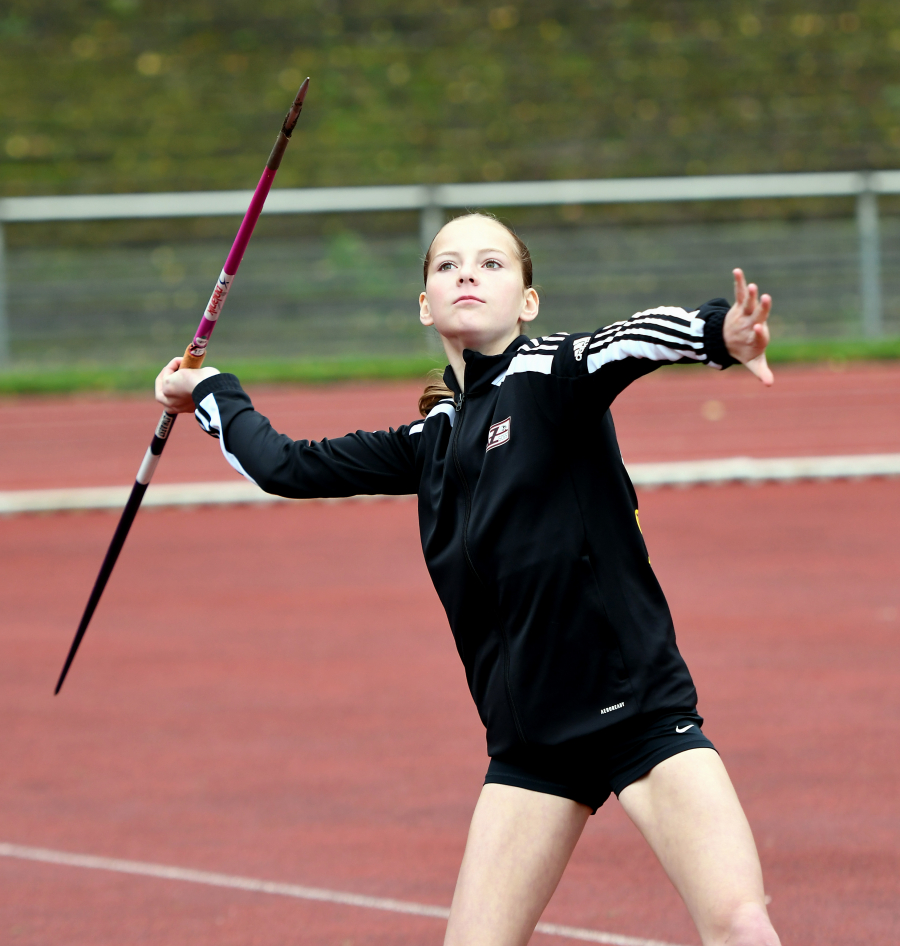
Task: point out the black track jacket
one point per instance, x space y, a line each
528 518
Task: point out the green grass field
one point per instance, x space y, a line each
68 380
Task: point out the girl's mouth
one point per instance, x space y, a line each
468 299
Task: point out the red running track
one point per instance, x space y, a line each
302 716
811 411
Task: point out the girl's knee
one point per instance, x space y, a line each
745 925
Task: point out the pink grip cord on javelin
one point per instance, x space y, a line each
226 277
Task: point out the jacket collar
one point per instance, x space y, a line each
481 370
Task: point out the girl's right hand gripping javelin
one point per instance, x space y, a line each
173 386
745 331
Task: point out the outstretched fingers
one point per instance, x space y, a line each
761 311
745 330
759 366
759 324
740 286
752 299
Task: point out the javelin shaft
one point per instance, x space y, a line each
193 358
195 352
142 481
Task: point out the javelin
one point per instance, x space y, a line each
193 358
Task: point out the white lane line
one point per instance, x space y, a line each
775 469
647 475
225 493
166 872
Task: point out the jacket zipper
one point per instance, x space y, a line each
460 411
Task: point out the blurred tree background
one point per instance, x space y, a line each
142 95
154 95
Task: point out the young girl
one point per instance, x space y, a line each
530 532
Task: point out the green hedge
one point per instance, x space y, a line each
125 95
140 377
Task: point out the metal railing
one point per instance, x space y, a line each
431 201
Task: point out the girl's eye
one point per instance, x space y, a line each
443 267
492 264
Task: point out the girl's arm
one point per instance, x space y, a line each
714 334
360 463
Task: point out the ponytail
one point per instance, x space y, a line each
435 391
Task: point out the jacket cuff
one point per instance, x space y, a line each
713 314
218 382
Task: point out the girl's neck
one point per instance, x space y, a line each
454 347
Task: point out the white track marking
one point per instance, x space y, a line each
252 884
230 492
647 475
774 469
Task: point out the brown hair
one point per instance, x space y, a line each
435 389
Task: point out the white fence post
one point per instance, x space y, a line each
869 260
5 355
431 220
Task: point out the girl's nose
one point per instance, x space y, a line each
464 278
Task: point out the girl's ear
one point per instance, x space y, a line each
425 310
530 309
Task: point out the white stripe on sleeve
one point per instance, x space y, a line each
215 421
650 335
542 364
442 407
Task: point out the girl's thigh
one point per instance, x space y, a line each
687 809
519 844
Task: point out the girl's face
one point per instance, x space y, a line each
474 294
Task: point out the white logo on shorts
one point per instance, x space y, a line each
686 728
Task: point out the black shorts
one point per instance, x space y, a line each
591 767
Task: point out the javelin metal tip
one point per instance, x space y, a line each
293 114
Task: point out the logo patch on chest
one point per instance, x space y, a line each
498 434
578 347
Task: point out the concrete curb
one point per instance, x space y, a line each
646 475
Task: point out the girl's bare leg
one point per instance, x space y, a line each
520 842
518 847
689 813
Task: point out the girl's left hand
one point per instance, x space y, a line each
745 331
